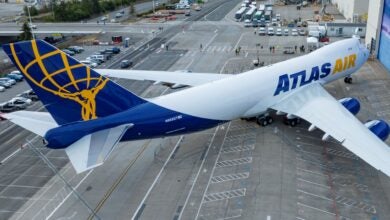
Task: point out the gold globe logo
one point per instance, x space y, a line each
86 88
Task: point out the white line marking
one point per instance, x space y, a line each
67 196
197 174
157 177
314 195
212 172
317 184
11 155
317 209
268 217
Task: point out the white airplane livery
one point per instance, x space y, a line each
88 114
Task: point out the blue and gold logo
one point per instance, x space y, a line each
52 71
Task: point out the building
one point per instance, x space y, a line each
344 29
353 10
378 31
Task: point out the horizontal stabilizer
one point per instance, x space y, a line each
36 122
93 149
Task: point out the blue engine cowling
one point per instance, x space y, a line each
351 104
379 127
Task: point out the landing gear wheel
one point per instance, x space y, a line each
348 80
293 122
262 122
269 119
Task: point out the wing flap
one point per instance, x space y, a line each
183 78
314 104
93 149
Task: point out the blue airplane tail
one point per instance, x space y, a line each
69 90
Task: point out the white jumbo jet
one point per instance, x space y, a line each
88 114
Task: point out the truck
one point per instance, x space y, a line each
240 13
268 16
250 13
258 15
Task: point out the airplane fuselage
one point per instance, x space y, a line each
244 95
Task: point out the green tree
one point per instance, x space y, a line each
132 8
26 32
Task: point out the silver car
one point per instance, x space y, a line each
10 81
2 89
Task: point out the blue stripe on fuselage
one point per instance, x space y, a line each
150 121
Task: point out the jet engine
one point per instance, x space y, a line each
379 127
351 104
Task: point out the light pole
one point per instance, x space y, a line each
154 12
29 4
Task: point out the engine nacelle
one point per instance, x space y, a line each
379 127
351 104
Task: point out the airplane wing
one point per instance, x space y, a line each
314 104
92 150
182 78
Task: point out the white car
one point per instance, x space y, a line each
22 100
2 89
89 63
271 31
286 32
279 32
262 31
247 23
294 32
11 81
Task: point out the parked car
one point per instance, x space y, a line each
92 59
271 31
114 50
5 84
15 77
96 57
126 64
11 81
89 63
247 23
278 32
20 99
274 22
118 15
16 72
104 18
7 107
302 32
76 49
262 31
294 32
286 32
29 94
68 52
18 103
2 88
